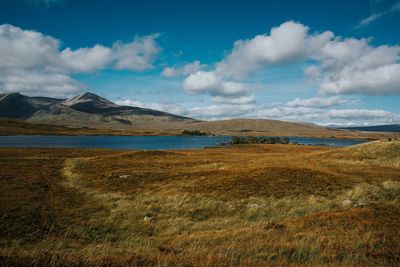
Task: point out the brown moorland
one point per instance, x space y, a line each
18 127
234 127
244 205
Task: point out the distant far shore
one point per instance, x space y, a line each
223 128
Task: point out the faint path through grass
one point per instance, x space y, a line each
116 202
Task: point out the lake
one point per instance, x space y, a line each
145 142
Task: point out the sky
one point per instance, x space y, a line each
324 62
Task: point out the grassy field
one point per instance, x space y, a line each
245 205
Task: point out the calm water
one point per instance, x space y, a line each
145 142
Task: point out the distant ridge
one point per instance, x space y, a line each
393 128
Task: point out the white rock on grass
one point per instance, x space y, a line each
346 202
253 206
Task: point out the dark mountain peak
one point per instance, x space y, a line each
11 95
88 97
15 105
90 103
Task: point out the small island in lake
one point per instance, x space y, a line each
258 140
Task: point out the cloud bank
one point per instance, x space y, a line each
319 110
34 63
337 65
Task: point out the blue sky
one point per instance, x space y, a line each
326 62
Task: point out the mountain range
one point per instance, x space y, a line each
93 114
82 110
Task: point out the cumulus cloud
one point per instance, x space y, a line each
34 63
86 59
187 69
287 43
201 82
354 66
339 66
137 55
26 49
223 92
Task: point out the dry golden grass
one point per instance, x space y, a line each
246 205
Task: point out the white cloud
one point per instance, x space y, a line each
297 114
173 108
170 72
329 117
222 111
313 73
38 82
86 59
353 66
362 114
304 111
32 63
187 69
340 66
235 100
317 102
201 82
368 20
209 82
378 81
374 16
137 55
26 49
287 43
